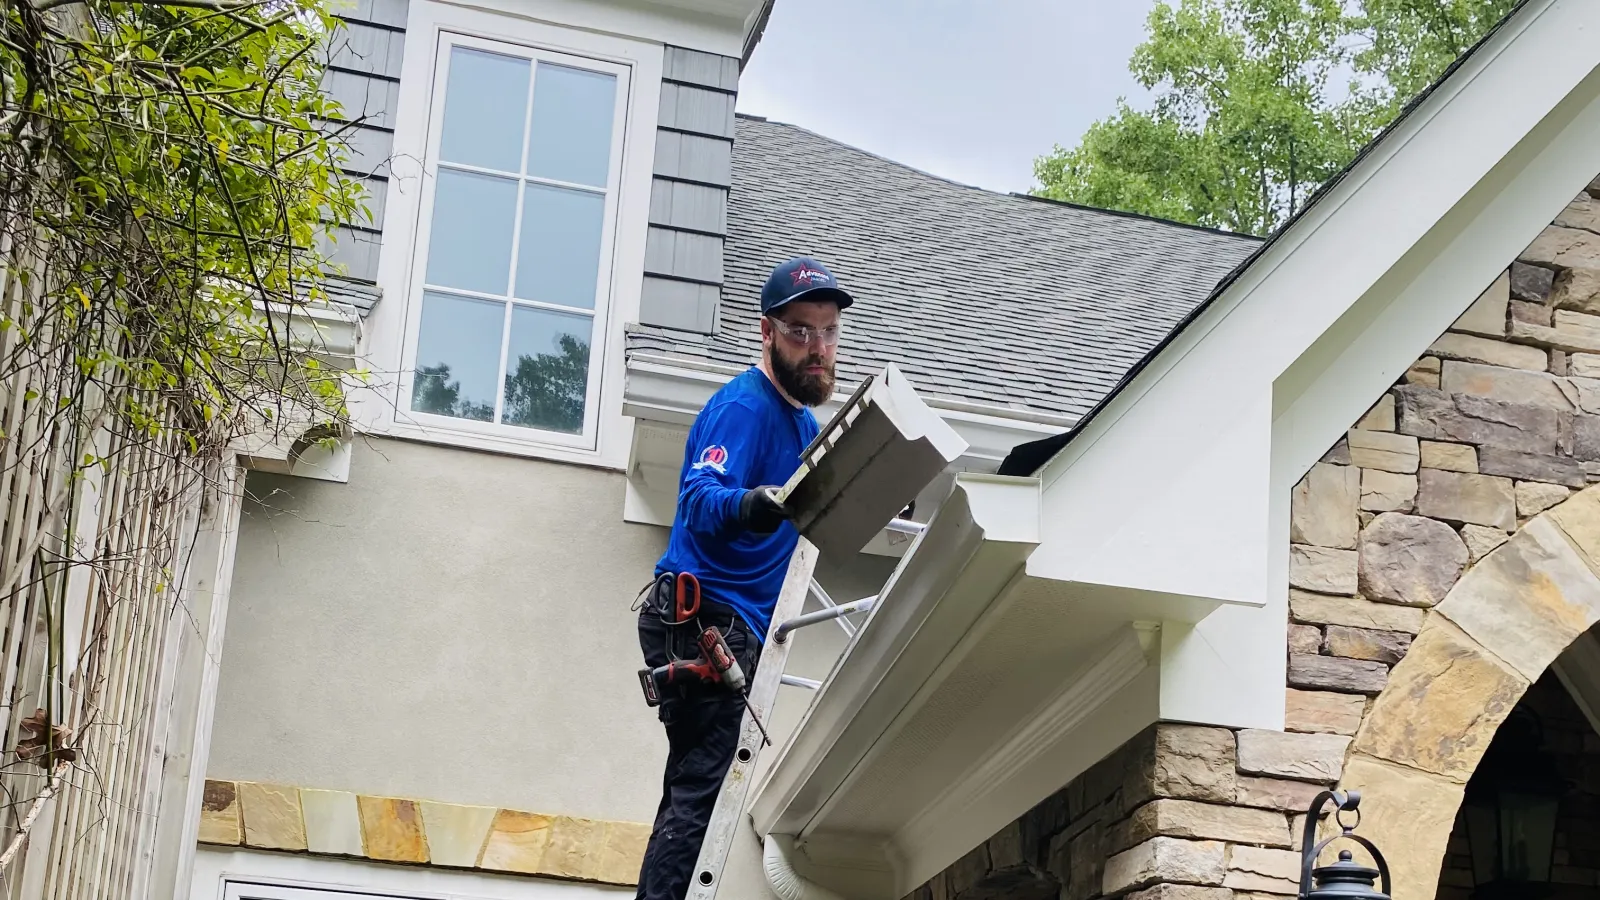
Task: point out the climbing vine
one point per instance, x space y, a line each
167 171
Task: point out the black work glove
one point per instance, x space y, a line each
760 512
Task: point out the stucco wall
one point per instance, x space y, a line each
454 626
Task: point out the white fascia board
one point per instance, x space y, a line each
673 391
710 26
1182 482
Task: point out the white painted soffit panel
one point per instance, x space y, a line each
971 691
664 389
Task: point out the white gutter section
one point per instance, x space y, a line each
786 883
292 441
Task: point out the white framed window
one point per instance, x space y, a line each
512 278
513 247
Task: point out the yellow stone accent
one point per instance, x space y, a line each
517 842
1528 600
623 854
1406 809
219 814
574 848
456 833
1579 517
333 822
1442 705
272 816
391 829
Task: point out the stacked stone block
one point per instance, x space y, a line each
1496 423
1181 812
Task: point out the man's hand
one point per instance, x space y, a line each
760 512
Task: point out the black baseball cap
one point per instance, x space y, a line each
801 278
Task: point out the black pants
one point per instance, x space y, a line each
702 723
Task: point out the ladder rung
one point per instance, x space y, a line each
781 633
797 681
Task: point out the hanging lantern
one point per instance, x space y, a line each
1345 879
1511 809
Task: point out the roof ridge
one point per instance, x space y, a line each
1223 232
1002 195
865 152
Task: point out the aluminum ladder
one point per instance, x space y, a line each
787 618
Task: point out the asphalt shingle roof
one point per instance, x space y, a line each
978 296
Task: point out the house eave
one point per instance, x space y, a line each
671 391
972 689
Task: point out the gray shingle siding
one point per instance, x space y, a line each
689 157
989 298
690 207
363 75
689 197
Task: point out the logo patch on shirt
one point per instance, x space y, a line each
715 458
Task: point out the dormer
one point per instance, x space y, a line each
542 174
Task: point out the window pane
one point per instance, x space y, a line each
572 111
485 105
559 257
470 246
547 370
458 356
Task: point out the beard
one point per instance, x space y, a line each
808 389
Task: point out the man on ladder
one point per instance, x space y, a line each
727 557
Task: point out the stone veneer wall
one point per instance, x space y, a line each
1496 424
1176 809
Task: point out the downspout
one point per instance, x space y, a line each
785 882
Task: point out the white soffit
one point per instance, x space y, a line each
971 691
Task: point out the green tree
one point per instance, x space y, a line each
547 390
1258 102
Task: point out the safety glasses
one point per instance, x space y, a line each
805 334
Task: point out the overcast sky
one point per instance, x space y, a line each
971 90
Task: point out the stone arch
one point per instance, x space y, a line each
1478 651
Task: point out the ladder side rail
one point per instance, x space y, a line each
723 827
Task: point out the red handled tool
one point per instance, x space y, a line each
687 586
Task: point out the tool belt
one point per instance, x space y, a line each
676 601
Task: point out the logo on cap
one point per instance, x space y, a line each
804 274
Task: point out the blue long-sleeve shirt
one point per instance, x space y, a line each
747 436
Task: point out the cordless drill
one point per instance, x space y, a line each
716 665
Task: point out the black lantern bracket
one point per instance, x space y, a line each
1345 878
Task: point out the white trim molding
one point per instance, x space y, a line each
664 394
377 406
